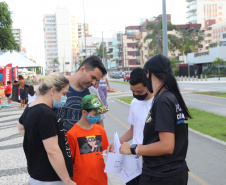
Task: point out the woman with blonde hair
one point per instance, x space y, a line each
45 144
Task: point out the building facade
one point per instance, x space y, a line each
61 41
81 32
218 29
199 11
17 34
88 46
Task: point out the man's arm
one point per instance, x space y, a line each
18 83
125 138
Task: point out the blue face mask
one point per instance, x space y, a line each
93 119
61 103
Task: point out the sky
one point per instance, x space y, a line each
101 15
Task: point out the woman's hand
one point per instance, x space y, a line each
125 149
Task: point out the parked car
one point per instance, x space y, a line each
127 76
120 74
112 74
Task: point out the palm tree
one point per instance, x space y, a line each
156 31
55 61
217 62
99 52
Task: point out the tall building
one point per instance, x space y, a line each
199 11
81 32
17 34
60 40
218 30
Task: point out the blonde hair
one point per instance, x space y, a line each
59 81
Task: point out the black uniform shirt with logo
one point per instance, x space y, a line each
166 116
40 123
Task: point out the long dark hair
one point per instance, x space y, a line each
161 67
31 90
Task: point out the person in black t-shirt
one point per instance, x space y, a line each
165 139
45 143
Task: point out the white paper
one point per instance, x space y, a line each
127 176
114 163
132 163
117 143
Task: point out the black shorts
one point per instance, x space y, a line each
8 95
179 179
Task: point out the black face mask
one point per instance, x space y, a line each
140 97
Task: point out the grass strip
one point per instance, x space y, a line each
212 93
119 82
202 121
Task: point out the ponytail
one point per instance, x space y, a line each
171 83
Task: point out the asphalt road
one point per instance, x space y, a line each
207 103
206 159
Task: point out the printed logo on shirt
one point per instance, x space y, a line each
180 115
90 144
71 111
149 118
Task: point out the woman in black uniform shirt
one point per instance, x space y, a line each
165 140
45 144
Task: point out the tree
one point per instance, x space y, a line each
55 61
156 31
7 41
99 52
217 62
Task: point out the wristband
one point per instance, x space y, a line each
137 150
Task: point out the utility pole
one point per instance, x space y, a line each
103 49
164 28
84 27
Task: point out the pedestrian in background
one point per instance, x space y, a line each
31 94
103 86
45 144
165 140
8 92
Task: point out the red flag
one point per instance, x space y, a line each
16 73
7 74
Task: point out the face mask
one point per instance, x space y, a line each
140 97
61 103
93 119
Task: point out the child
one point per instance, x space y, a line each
87 142
31 94
8 92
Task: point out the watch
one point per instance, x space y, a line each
132 148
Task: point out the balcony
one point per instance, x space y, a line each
192 8
131 45
138 36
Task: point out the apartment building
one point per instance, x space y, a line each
199 11
217 30
88 46
81 32
17 34
60 40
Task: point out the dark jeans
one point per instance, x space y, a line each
134 181
179 179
